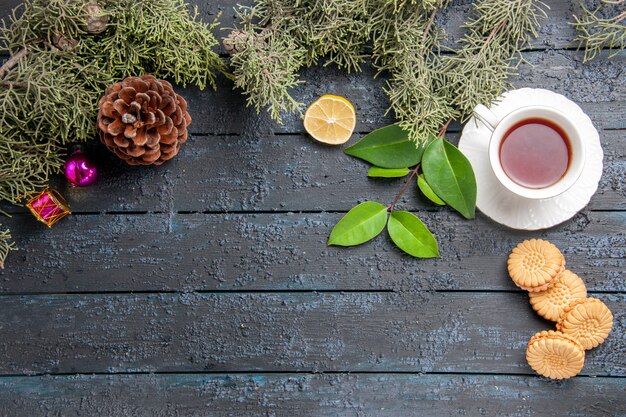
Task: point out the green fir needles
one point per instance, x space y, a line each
400 37
490 52
266 69
406 48
42 109
5 246
279 37
596 32
63 55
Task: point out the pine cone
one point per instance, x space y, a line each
63 42
95 20
143 120
235 42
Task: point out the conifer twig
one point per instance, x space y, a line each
49 92
12 61
18 84
444 128
424 87
490 52
429 25
5 246
596 32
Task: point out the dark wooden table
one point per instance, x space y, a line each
205 288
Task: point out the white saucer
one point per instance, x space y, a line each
507 208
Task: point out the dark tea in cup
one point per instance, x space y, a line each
535 153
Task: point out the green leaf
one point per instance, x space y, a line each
362 223
387 147
409 234
428 192
387 172
451 177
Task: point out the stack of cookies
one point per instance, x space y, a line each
559 295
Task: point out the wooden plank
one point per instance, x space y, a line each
295 173
308 395
288 332
274 173
159 252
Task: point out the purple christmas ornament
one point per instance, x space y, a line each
79 170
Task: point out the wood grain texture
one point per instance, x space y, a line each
414 331
285 395
294 173
191 252
275 173
435 333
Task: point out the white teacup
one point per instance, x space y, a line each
501 126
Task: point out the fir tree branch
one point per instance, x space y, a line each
403 37
429 25
266 69
57 71
444 128
5 246
596 32
414 70
307 31
494 32
12 61
424 88
478 73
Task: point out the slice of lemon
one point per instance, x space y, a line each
330 119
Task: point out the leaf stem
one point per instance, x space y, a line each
415 170
444 128
412 174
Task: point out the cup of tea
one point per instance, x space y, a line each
535 151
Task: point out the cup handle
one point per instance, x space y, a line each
486 116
